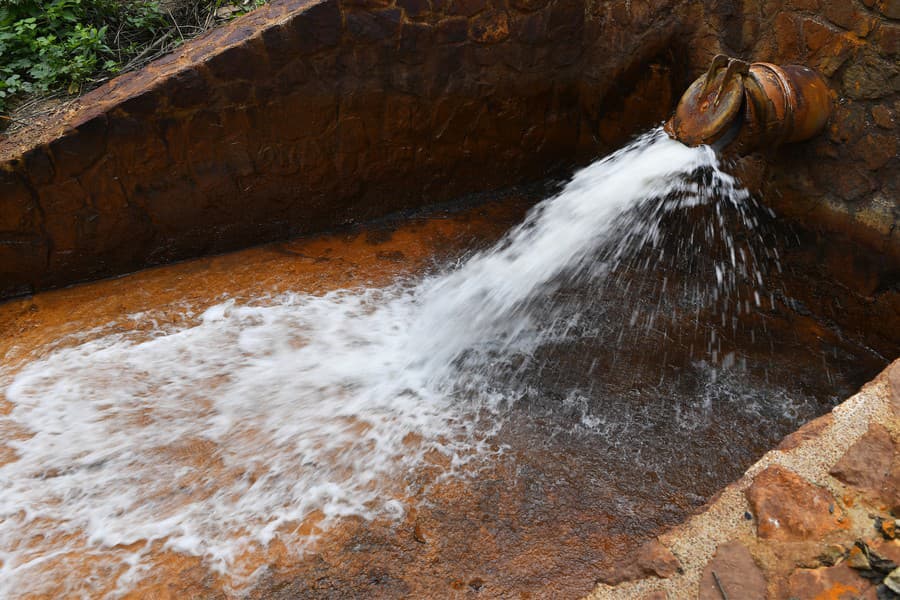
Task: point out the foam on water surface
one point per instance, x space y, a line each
215 438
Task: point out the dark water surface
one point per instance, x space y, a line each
653 400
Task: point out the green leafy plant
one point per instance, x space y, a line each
50 46
60 44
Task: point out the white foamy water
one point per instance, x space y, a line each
215 439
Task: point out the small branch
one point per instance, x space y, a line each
11 120
175 23
137 59
719 585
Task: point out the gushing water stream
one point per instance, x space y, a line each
215 439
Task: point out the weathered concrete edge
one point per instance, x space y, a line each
310 114
694 542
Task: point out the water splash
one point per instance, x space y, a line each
215 439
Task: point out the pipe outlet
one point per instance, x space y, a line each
739 107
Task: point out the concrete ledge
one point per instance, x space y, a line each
302 116
788 526
308 114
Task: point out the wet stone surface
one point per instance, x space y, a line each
621 431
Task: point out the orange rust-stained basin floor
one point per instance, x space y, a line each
563 503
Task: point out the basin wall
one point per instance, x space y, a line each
847 180
311 114
303 116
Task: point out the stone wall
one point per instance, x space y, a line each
814 518
847 180
310 114
302 116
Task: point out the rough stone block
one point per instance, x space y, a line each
79 149
732 573
530 29
787 35
489 28
23 261
887 39
875 150
868 465
889 8
38 166
871 78
415 39
827 582
415 8
316 28
829 48
452 30
365 4
17 209
465 8
789 508
650 560
528 5
374 26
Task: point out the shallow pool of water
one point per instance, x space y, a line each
651 383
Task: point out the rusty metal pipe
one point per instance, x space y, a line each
741 107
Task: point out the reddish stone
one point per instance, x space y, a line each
530 29
872 464
66 208
17 210
810 5
79 149
140 104
365 4
846 14
738 575
415 38
810 431
890 491
787 34
875 150
316 27
189 88
452 30
490 28
818 35
528 5
887 39
651 560
889 549
853 183
894 382
414 8
566 20
466 8
889 8
829 48
848 122
38 166
867 463
374 25
870 77
836 583
789 508
23 259
883 116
